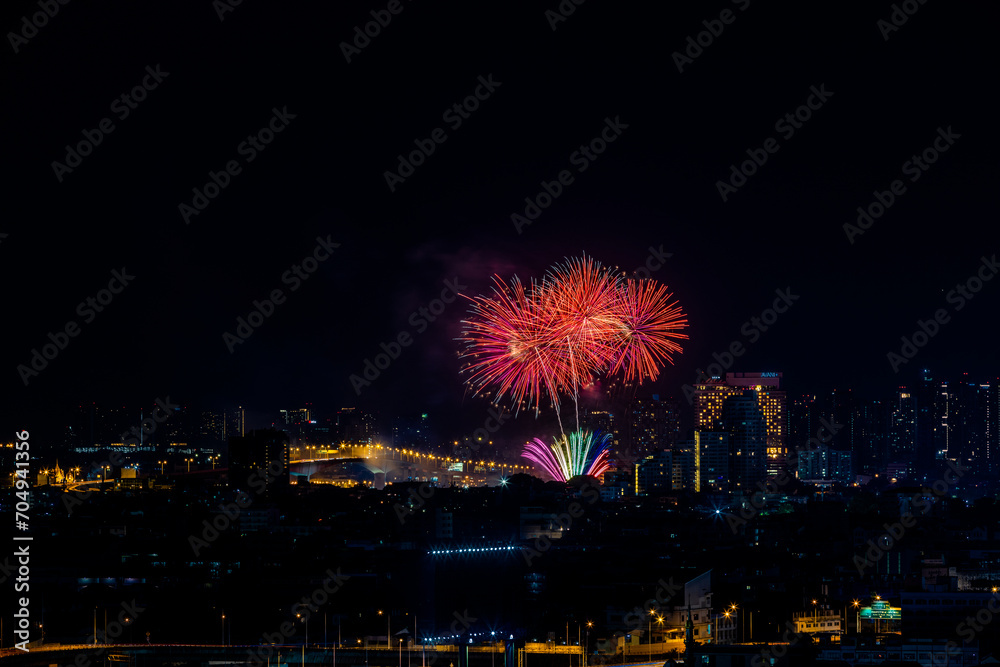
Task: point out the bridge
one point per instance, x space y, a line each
380 464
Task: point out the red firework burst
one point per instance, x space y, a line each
649 328
581 321
510 343
581 295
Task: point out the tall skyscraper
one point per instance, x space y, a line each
652 424
967 424
993 426
743 419
703 461
903 429
711 396
871 441
803 419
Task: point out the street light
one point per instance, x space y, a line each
306 622
388 631
649 642
223 628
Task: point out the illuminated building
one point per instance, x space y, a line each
703 462
296 416
742 418
652 424
711 396
823 463
655 473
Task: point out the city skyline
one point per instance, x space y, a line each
561 334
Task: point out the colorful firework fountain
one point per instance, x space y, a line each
581 453
556 336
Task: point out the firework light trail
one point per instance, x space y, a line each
580 453
553 337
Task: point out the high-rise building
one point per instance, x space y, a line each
711 396
296 416
871 440
356 427
652 424
655 473
260 457
743 419
903 427
967 423
234 423
825 463
803 419
993 426
711 452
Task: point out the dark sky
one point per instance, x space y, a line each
323 176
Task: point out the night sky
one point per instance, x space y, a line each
220 79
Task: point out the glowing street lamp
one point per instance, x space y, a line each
649 642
